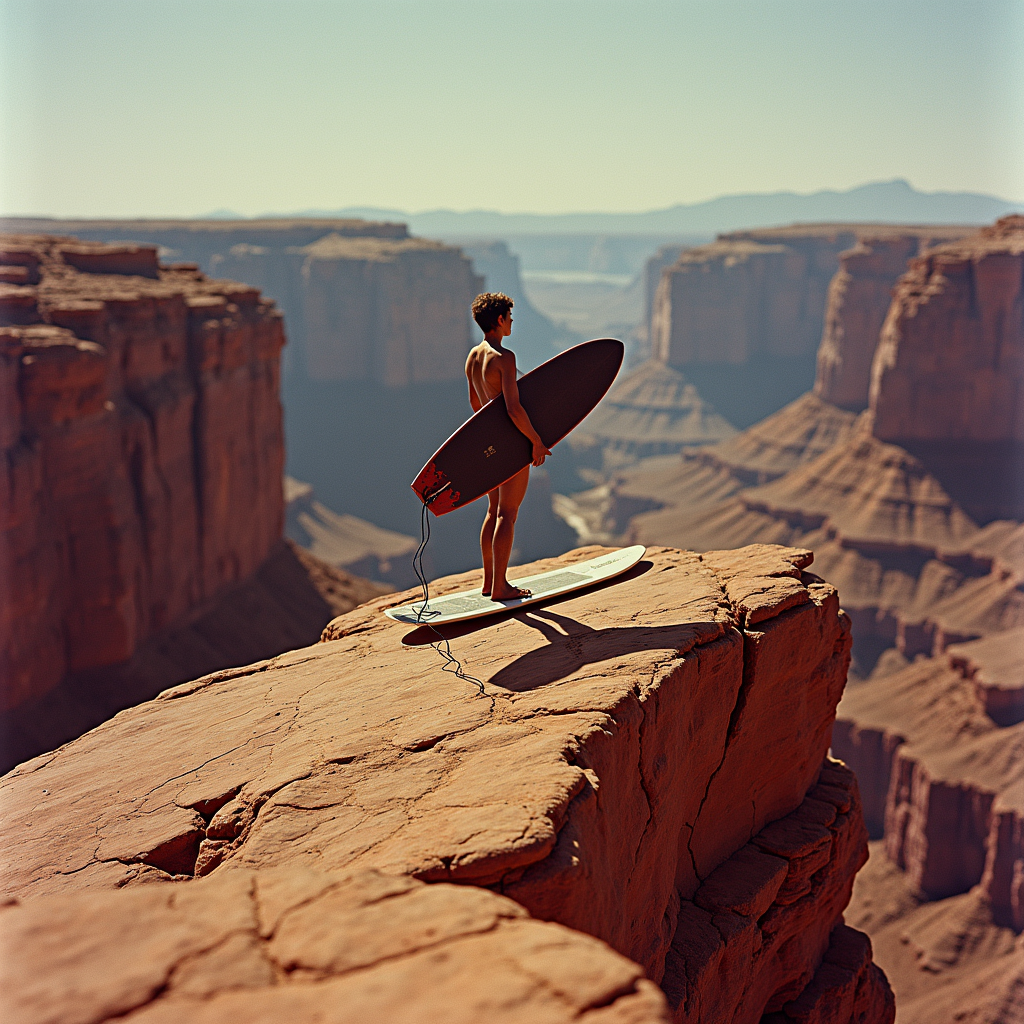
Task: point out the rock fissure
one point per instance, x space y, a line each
574 799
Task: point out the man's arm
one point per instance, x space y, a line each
516 412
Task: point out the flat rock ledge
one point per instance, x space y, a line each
641 766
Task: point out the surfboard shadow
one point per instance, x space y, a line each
422 635
580 645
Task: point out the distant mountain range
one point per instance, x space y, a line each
884 201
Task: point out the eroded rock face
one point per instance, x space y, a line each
390 311
858 300
363 300
745 944
727 301
950 779
950 361
759 292
620 748
947 961
291 944
650 410
140 414
994 665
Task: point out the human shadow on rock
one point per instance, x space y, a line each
575 645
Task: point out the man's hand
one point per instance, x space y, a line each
540 453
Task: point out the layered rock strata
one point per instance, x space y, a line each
743 316
948 961
666 491
384 310
347 542
796 434
915 571
732 299
950 361
855 309
363 300
759 292
617 750
651 410
995 668
940 767
141 413
948 377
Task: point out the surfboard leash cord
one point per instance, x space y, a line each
441 645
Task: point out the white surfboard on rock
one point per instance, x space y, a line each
471 604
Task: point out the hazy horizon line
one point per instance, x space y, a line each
226 213
625 213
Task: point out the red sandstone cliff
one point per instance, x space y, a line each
858 299
363 300
743 316
727 301
390 311
141 415
141 496
644 765
759 292
891 504
936 765
950 361
650 410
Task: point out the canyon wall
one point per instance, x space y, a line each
857 302
913 509
141 414
942 775
743 317
764 291
642 767
950 360
746 294
382 310
364 301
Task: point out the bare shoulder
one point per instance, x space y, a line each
506 357
475 356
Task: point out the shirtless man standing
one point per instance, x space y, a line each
491 371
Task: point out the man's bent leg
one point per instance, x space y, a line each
510 497
487 540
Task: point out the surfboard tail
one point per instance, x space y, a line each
435 490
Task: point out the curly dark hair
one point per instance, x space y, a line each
489 307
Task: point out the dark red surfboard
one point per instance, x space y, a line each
489 448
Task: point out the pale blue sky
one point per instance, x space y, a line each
139 108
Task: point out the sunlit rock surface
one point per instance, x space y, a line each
644 763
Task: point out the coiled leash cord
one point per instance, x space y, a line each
441 645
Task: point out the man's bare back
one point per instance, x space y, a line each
491 371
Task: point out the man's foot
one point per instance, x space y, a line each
509 593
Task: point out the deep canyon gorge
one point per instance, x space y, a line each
660 800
